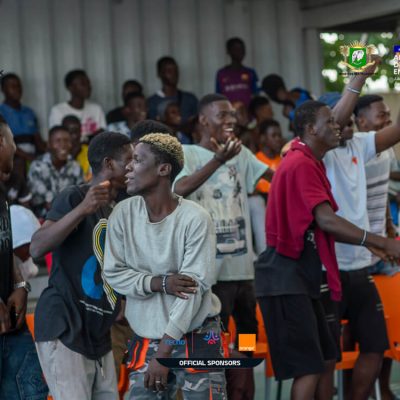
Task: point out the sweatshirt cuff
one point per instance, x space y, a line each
147 283
173 331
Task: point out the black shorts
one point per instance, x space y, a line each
298 335
362 307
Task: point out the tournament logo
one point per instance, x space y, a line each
357 56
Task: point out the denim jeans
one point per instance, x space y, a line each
21 377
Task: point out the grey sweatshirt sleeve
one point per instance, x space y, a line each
120 277
198 263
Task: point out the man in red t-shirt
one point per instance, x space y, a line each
301 230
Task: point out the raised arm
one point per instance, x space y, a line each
188 184
53 233
388 137
345 106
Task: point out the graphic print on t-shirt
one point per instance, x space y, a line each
93 281
224 199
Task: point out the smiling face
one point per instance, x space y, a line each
374 117
327 131
60 145
219 119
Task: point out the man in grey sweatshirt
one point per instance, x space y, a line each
160 253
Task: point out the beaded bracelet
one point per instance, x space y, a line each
164 284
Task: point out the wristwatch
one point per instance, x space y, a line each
24 284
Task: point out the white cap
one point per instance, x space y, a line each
23 224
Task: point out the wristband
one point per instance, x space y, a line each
363 239
350 89
219 159
164 284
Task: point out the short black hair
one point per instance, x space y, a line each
7 77
232 41
132 95
306 114
57 128
271 84
70 118
365 101
257 102
72 75
133 82
147 126
266 124
103 145
165 60
209 99
164 158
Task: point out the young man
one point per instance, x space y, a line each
299 240
168 72
79 151
361 305
372 114
17 351
117 115
270 145
160 254
22 122
271 141
90 114
134 111
235 81
75 312
218 174
53 171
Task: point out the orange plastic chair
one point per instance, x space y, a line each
30 322
389 289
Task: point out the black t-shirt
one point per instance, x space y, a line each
78 307
6 249
277 275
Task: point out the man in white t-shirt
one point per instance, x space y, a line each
372 114
360 303
218 174
90 114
